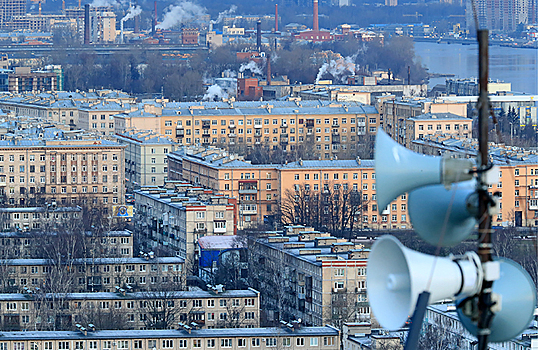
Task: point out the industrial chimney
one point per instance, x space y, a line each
87 24
137 24
154 19
259 36
268 68
316 23
276 18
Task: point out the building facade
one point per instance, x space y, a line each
209 309
177 217
62 171
324 278
259 189
92 274
146 161
262 338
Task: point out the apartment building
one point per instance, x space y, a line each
177 216
259 188
518 175
208 309
58 106
99 117
50 167
292 338
36 218
93 274
311 275
394 112
146 158
436 123
31 245
330 128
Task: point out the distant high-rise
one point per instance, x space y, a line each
10 9
391 2
503 15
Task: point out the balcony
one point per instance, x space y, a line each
180 133
284 141
336 139
219 230
232 135
258 126
3 181
533 204
248 191
232 126
249 211
206 125
339 290
200 231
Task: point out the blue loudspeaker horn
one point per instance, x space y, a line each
396 275
518 300
399 170
430 205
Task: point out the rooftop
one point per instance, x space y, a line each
170 333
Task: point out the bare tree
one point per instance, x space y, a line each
440 337
160 309
335 208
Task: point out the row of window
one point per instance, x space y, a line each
345 176
447 127
281 121
168 343
62 157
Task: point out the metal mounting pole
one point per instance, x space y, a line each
484 225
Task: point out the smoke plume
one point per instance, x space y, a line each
132 13
214 93
182 12
231 10
251 66
340 68
104 3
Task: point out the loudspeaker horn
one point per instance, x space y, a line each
428 207
399 170
517 298
396 275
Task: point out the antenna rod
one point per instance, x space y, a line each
484 225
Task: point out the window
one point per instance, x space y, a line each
226 343
168 343
299 341
328 341
270 342
286 342
211 343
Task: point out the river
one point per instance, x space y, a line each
512 65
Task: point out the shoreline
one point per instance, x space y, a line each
519 44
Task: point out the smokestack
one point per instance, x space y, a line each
137 24
316 23
268 68
87 24
408 75
276 17
154 19
121 31
259 36
63 6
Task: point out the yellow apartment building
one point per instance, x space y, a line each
436 123
260 188
64 171
324 128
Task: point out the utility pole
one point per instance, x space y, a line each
485 248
